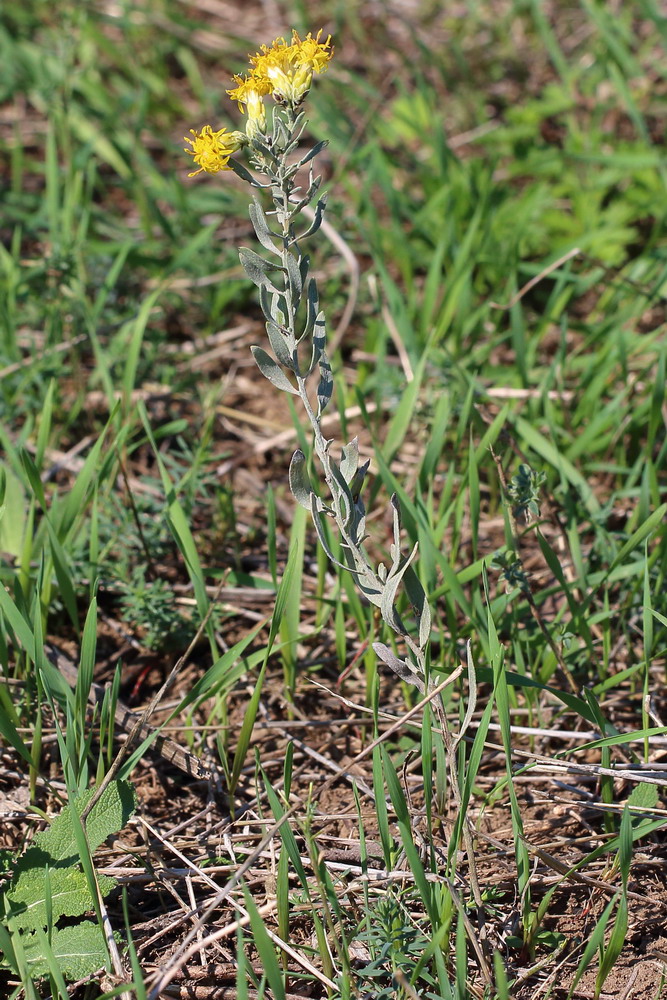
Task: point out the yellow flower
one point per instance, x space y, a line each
248 88
211 150
288 68
250 91
312 51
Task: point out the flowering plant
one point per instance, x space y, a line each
295 324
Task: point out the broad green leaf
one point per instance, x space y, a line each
79 950
67 894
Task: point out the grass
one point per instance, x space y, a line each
497 196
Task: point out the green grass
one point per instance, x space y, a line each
467 156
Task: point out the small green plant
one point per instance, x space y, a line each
51 882
523 492
395 946
150 606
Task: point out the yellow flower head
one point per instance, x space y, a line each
248 89
313 51
288 68
249 92
211 150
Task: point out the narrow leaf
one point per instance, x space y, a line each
317 219
294 277
298 479
349 462
399 667
270 370
261 227
257 269
279 345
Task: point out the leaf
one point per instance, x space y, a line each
325 387
298 479
313 311
357 484
349 462
48 884
294 277
270 370
399 667
643 795
109 815
279 345
79 951
312 153
257 269
261 227
265 949
426 889
317 219
342 496
653 521
67 894
418 600
13 512
315 514
216 674
245 174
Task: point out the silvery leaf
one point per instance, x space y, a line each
387 604
298 479
317 148
367 582
294 277
320 332
325 387
261 147
304 264
350 460
279 345
399 667
396 547
417 597
358 482
277 310
261 227
270 370
315 514
317 219
256 268
313 308
308 197
265 301
342 495
279 131
245 174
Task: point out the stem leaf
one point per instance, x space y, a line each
270 370
261 227
257 269
298 479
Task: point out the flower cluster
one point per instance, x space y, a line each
288 68
283 70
